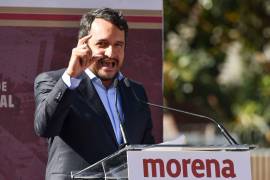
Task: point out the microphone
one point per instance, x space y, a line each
122 128
222 129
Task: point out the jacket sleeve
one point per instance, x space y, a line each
52 102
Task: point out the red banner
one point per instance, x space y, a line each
33 40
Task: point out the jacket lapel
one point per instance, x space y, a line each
129 106
92 99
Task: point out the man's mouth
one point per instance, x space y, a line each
108 63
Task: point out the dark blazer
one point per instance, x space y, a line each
77 125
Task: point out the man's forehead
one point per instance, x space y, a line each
101 27
100 24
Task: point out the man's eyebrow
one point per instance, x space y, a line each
105 40
98 40
120 42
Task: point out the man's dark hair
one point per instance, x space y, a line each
111 15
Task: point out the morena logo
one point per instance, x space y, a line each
198 168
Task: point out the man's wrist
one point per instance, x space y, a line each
71 82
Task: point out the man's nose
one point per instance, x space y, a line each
109 51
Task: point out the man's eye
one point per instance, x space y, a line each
119 45
102 44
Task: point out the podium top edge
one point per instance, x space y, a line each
243 147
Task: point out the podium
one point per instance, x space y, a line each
172 162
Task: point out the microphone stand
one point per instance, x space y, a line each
223 130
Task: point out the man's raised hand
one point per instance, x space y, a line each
80 58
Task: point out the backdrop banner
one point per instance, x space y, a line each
38 36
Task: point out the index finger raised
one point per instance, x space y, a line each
84 39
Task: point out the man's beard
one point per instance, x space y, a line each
106 78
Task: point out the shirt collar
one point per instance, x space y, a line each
93 77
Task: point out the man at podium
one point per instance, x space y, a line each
86 111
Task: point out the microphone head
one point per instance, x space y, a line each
126 81
115 83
